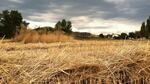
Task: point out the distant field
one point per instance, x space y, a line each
77 62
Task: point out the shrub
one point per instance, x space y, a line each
31 36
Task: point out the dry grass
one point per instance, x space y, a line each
78 62
31 36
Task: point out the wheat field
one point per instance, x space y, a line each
76 62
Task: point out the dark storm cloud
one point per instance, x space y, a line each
54 10
26 7
142 7
133 9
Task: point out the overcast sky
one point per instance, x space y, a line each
95 16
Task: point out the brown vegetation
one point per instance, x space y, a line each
82 62
32 36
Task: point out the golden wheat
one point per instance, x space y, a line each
31 36
78 62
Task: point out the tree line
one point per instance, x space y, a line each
143 33
145 29
11 23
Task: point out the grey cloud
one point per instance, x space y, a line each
90 8
76 7
97 27
136 10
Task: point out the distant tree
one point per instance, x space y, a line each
143 30
58 26
63 23
132 35
137 34
123 36
64 26
148 28
10 20
101 36
68 28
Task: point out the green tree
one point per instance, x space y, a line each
143 30
67 28
58 26
63 23
148 28
10 20
101 35
132 35
64 26
123 36
137 34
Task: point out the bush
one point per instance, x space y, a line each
31 36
